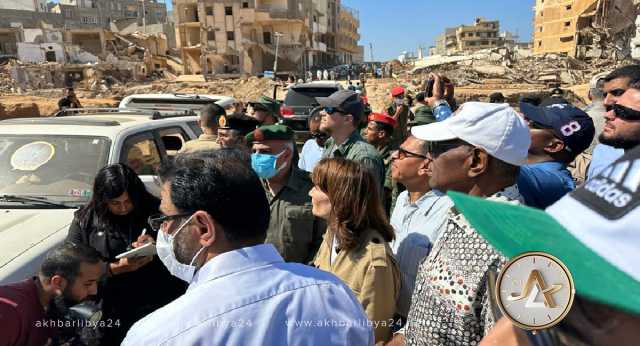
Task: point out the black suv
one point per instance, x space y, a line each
300 102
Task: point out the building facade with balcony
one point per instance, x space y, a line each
348 36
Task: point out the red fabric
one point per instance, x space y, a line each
382 118
397 91
22 315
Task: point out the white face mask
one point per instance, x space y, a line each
164 247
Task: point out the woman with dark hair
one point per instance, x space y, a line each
112 223
355 246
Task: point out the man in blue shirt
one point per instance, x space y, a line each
559 133
211 234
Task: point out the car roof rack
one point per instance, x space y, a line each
155 113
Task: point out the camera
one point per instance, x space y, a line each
429 87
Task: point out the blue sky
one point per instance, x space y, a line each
394 26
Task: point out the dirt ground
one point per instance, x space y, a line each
45 102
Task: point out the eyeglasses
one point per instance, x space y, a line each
159 221
625 113
402 154
331 110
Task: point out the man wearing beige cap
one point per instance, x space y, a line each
477 152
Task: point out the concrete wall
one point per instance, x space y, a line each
23 5
29 19
37 53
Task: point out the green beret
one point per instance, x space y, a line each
271 132
267 103
423 116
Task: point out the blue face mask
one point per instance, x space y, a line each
265 165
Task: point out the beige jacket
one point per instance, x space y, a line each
372 273
204 142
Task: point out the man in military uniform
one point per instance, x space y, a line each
378 133
343 111
293 229
399 110
232 130
266 110
208 122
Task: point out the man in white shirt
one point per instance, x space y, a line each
241 292
418 215
312 149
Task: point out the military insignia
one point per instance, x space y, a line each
222 121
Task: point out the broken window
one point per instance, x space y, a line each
245 5
567 23
568 7
566 39
539 43
235 60
266 37
230 36
209 10
540 29
211 35
228 10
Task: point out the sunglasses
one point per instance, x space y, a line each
438 148
331 110
624 113
615 92
403 154
319 135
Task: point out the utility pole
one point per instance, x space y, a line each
144 17
275 62
371 51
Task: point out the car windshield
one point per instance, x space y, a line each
306 96
58 169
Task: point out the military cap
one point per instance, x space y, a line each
423 116
239 122
383 118
267 103
271 132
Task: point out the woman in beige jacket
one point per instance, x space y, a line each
355 246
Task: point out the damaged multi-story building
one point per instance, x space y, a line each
241 37
482 34
584 28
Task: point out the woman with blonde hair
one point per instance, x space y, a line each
355 247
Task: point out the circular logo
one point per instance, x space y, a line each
535 290
32 156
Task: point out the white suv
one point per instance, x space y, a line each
47 167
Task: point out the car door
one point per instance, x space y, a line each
170 139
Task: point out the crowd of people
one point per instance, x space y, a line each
366 235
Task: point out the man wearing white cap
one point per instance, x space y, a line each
476 152
594 232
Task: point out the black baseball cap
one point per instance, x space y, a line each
346 100
239 122
569 123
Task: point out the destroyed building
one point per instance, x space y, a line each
483 34
584 28
348 36
240 37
